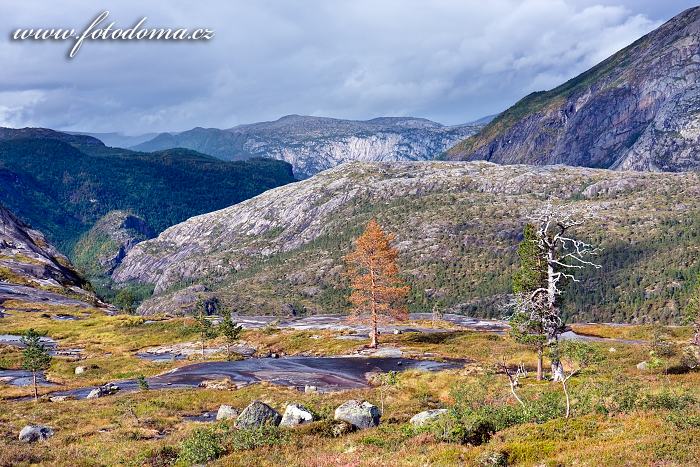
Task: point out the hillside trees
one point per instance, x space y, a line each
378 293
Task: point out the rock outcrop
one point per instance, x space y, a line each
313 144
637 110
32 270
102 391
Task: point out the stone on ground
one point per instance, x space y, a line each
359 414
296 414
32 433
258 414
226 412
427 416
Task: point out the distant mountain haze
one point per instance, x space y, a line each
313 144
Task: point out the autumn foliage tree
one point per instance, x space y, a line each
378 293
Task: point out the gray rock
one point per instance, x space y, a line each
226 412
258 414
310 389
427 416
296 414
642 366
359 414
102 391
79 370
60 398
32 433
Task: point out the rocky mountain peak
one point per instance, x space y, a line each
639 109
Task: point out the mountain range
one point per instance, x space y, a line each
313 144
637 110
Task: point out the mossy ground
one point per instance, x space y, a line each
147 427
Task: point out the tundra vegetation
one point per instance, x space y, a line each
496 410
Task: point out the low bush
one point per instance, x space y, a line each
203 445
243 440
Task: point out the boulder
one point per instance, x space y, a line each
105 390
309 389
427 416
79 370
226 412
258 414
359 414
642 366
296 414
32 433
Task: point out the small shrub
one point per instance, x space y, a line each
666 400
203 445
243 440
143 384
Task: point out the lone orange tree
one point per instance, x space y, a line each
378 293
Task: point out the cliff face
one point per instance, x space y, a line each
313 144
33 270
639 109
457 226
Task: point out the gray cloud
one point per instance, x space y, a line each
448 60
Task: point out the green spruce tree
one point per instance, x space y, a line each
231 333
527 326
35 356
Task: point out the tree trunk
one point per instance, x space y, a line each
374 344
566 393
36 392
373 333
557 371
540 371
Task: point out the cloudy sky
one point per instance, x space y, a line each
452 61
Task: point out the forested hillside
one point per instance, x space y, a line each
62 189
457 226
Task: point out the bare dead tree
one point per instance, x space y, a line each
564 256
513 378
